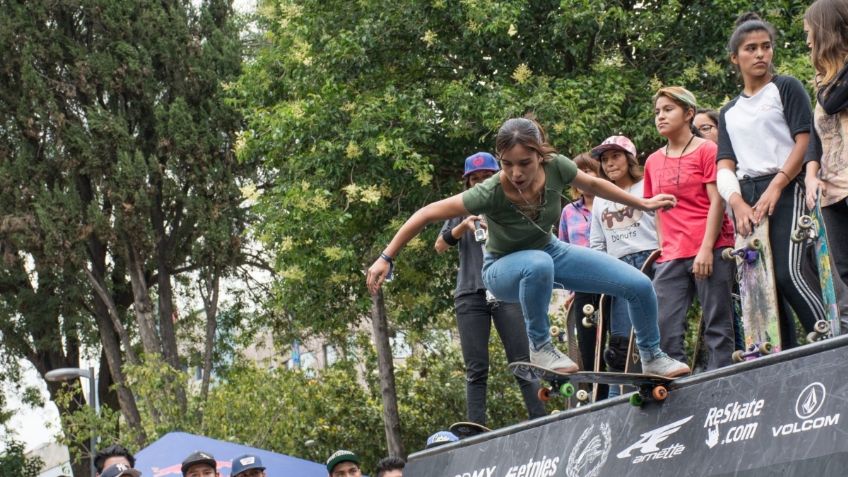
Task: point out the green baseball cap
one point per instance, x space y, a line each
341 456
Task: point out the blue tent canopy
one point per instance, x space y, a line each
164 457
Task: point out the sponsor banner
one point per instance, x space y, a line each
786 414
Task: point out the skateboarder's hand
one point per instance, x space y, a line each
467 225
660 201
814 186
377 275
702 267
745 221
765 206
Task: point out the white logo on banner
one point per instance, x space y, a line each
648 445
589 455
810 401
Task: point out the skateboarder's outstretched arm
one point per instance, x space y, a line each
433 212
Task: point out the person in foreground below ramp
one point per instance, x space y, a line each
524 259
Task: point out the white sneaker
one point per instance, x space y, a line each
548 356
664 365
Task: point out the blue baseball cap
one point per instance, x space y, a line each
481 161
246 462
440 438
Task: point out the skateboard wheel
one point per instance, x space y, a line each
587 322
544 394
588 309
765 348
659 393
812 337
798 236
566 389
636 399
822 327
555 331
755 244
582 395
738 356
727 254
805 222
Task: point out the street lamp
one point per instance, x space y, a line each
69 374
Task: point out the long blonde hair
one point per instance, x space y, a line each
828 22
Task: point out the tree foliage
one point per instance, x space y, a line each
117 179
13 461
362 112
311 413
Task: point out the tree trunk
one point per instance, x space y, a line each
112 352
210 306
391 417
166 328
105 390
142 305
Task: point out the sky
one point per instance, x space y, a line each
32 426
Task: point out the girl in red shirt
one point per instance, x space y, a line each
692 234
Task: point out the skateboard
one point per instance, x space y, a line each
563 329
650 387
758 294
811 227
467 429
561 314
596 317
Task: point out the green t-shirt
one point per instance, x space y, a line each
509 230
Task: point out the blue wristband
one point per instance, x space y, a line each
390 275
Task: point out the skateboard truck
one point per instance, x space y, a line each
821 331
589 319
657 393
755 350
805 230
749 253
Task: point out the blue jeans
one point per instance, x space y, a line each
528 277
620 321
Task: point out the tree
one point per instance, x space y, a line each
13 461
117 177
363 111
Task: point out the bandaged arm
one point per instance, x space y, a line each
727 184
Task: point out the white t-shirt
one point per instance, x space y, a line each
758 132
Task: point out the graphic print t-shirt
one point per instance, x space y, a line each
619 229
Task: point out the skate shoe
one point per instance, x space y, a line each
664 365
548 356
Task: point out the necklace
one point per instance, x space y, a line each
665 159
691 138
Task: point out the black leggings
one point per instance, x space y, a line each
794 263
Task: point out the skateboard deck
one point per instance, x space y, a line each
467 429
599 322
650 387
757 291
811 227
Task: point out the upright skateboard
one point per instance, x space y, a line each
596 317
757 292
467 429
650 387
563 317
811 227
